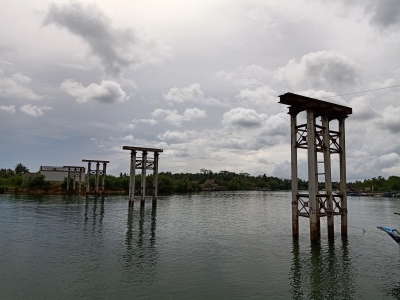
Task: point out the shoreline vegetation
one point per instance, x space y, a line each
12 181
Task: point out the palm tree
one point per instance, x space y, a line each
20 169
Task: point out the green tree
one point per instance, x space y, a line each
6 173
38 183
20 169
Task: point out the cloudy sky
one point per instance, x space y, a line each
199 79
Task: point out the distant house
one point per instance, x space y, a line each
28 175
52 173
210 185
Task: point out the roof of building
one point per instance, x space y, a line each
53 168
209 181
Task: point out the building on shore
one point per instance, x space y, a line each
211 185
54 173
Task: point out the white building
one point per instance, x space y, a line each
52 173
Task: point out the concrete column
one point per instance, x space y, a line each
312 188
103 182
155 178
88 179
80 180
97 178
342 163
74 183
317 204
295 185
143 189
132 178
68 179
328 177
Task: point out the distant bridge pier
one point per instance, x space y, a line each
96 173
317 139
143 186
74 172
132 178
143 164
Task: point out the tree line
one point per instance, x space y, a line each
190 182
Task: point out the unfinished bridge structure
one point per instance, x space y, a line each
143 164
317 138
96 173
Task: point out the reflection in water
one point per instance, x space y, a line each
323 272
94 209
141 255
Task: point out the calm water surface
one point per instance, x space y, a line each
225 245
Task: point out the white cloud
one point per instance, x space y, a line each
277 125
147 121
362 109
128 138
248 77
177 136
261 96
132 124
382 84
116 48
242 117
126 125
10 109
324 95
176 119
192 93
14 87
33 110
267 19
323 69
107 92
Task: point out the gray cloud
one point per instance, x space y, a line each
107 92
323 69
385 14
181 153
391 119
263 161
116 48
284 169
382 14
362 167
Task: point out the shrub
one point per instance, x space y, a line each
38 183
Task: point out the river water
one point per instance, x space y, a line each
223 245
